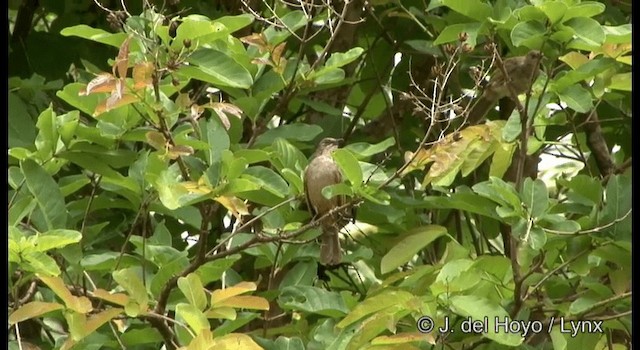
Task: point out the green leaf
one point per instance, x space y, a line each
217 68
577 98
195 318
349 165
293 21
537 238
327 76
42 263
291 132
621 82
56 239
47 193
415 241
204 30
455 276
192 288
527 34
98 35
587 29
339 59
475 9
284 343
617 205
452 33
302 274
581 305
584 9
312 299
583 73
213 270
383 300
267 179
554 10
130 280
479 308
512 129
363 150
535 196
22 129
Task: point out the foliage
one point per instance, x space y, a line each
156 192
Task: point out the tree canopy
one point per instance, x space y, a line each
156 159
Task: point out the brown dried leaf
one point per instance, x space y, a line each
179 151
256 39
156 140
142 75
122 60
104 82
262 60
196 111
114 101
276 54
223 108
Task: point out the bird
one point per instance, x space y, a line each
323 171
522 71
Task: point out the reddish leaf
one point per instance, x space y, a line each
256 39
179 151
122 60
277 52
222 109
142 75
32 310
104 82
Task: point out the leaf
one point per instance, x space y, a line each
313 300
47 194
56 239
527 34
554 10
217 68
349 165
584 9
475 9
95 321
451 33
581 305
479 308
122 60
220 295
22 130
535 196
32 310
339 59
302 274
131 282
193 317
98 35
587 29
223 109
115 298
414 242
621 82
226 313
296 132
577 98
142 75
245 302
81 305
267 179
192 288
383 300
41 263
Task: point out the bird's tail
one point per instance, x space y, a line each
330 252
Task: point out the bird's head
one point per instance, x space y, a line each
329 144
534 55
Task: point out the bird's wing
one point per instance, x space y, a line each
312 209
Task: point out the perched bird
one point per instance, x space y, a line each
522 71
321 172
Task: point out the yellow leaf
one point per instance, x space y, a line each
234 205
245 302
235 341
115 298
32 310
79 304
403 338
94 322
219 295
226 313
